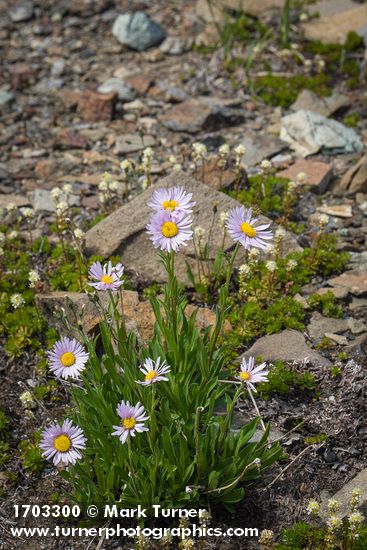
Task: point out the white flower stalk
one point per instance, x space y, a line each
17 300
199 151
323 220
61 208
271 266
78 234
334 522
224 151
2 238
67 189
177 167
13 235
291 265
11 207
33 278
125 165
313 508
223 217
56 194
28 213
26 398
333 505
239 152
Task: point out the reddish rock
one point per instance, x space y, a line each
44 168
70 98
22 75
70 139
140 83
318 174
94 107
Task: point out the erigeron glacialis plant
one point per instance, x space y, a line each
145 427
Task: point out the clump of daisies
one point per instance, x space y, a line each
170 226
143 428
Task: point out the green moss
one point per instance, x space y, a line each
282 379
325 343
326 304
352 120
315 439
278 90
31 455
266 192
299 537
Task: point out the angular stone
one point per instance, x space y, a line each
18 200
355 179
289 345
6 97
337 19
260 146
70 139
176 45
130 143
139 315
337 210
357 326
140 83
326 106
118 86
337 338
123 232
42 200
318 174
354 281
94 107
319 325
308 133
22 11
219 10
21 75
196 113
137 31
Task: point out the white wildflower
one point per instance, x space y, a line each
333 505
224 150
291 264
28 213
323 220
265 165
271 266
199 233
67 188
26 398
13 235
313 507
78 234
148 153
11 207
56 193
223 217
33 278
125 165
301 177
334 522
355 518
244 270
114 186
61 207
177 167
2 237
17 300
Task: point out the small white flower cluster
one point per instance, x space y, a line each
28 213
26 398
107 188
199 151
291 265
33 278
239 152
313 507
323 220
271 266
266 537
78 234
265 166
61 198
17 300
223 154
11 207
176 166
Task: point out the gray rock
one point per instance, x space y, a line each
137 31
130 143
289 345
319 325
124 92
326 106
175 45
345 493
6 97
123 232
201 112
354 281
357 326
308 132
260 146
21 12
356 178
42 200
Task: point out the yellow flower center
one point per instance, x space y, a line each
129 423
245 375
107 279
62 443
169 205
151 375
248 230
169 229
67 359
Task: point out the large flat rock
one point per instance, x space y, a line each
289 345
344 495
337 19
123 233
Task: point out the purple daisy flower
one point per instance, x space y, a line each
247 230
62 443
154 371
108 277
251 375
168 232
67 358
173 199
132 420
